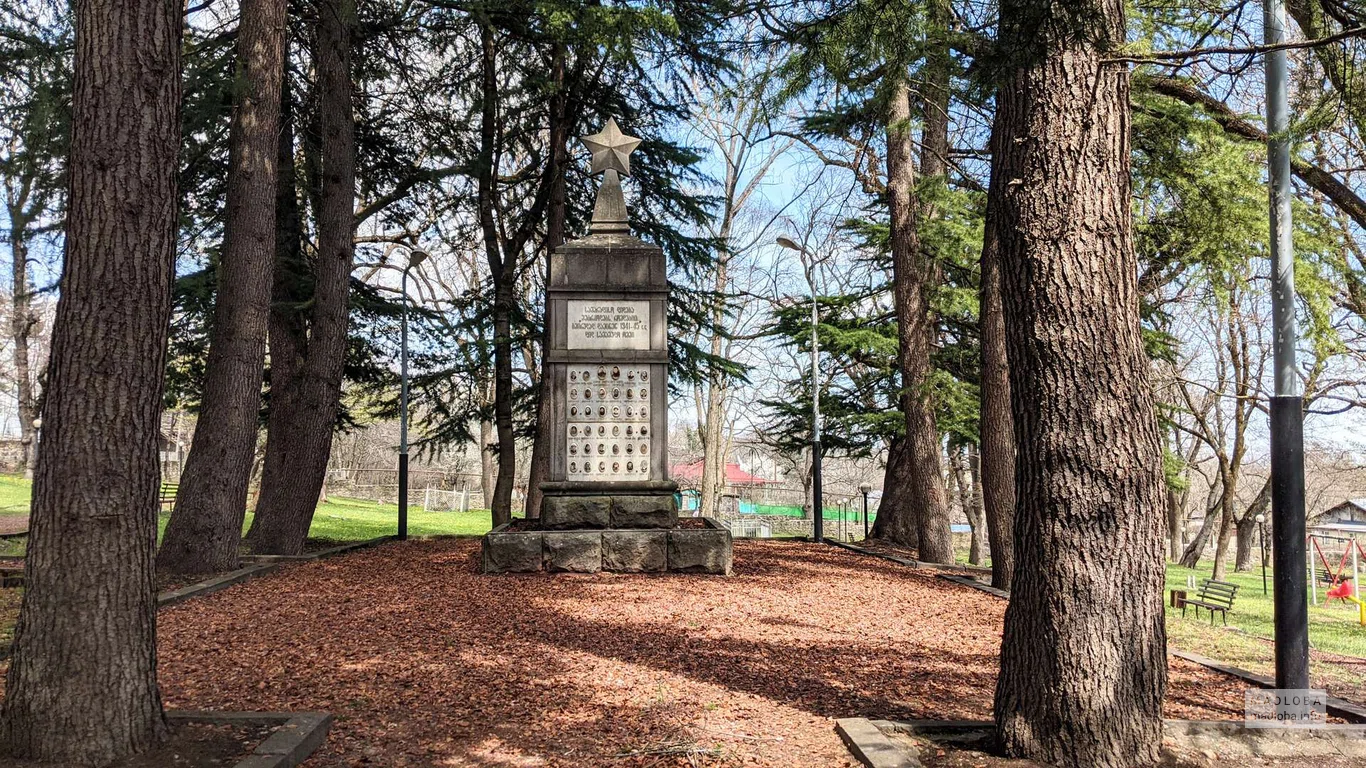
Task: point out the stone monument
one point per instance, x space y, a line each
608 503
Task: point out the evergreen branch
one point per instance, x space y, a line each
1342 196
1158 57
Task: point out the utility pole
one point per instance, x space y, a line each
1287 404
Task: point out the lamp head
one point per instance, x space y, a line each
865 488
416 256
1260 519
788 242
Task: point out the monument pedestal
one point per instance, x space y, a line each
607 367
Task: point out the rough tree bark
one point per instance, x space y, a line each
81 688
306 378
1077 687
896 517
205 529
912 278
996 424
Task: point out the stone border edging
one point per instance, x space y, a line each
322 553
299 735
261 566
868 741
1347 710
209 586
908 562
871 747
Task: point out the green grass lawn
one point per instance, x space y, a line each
1247 642
338 519
1332 627
343 519
14 494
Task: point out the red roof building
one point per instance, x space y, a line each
734 475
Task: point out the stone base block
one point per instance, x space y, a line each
573 551
708 551
512 552
625 551
635 551
657 511
576 512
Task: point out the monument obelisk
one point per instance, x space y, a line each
608 365
608 503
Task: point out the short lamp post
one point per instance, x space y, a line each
865 489
817 501
415 257
1261 525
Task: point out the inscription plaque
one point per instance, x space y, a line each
607 433
608 324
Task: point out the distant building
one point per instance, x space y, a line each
1350 511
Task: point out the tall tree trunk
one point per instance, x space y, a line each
503 273
1190 558
556 213
81 688
22 322
1226 525
912 275
1176 523
960 473
1076 689
896 516
205 528
996 424
977 515
1248 528
302 419
488 465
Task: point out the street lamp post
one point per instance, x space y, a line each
1261 526
415 257
865 489
817 502
1287 404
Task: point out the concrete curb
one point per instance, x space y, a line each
871 747
968 581
263 564
322 553
869 742
1347 710
217 583
908 562
298 736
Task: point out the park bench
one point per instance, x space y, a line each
168 493
1213 596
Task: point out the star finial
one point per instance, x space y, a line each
611 149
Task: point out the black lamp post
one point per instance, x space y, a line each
415 257
865 489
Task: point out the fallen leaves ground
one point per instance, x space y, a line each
426 662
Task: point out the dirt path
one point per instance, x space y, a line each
427 663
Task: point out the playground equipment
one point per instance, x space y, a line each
1339 587
1346 591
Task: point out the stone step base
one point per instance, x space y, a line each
623 551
